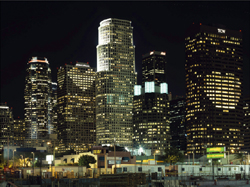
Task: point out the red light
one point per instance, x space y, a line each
76 61
70 62
18 117
87 62
65 64
6 102
11 107
200 24
193 22
57 68
240 30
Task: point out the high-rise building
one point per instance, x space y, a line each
214 88
177 123
246 123
37 97
115 81
54 108
19 132
6 124
151 105
154 67
76 106
151 117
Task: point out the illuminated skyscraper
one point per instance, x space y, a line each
115 81
19 132
37 97
151 105
6 124
213 88
76 106
154 67
246 123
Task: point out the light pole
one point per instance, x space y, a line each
33 162
154 156
13 159
228 157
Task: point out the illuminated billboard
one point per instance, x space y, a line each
216 155
216 149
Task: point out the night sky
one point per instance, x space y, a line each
65 32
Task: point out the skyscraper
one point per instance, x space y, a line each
76 106
6 124
37 97
177 123
19 132
154 67
246 123
115 81
151 105
213 88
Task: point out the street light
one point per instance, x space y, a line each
228 157
154 156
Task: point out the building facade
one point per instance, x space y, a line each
76 106
6 124
115 80
54 108
19 132
151 118
151 105
154 67
37 101
246 123
177 123
213 88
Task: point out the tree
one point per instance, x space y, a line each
240 157
85 160
173 155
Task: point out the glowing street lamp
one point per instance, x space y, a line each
156 151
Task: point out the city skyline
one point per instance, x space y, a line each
63 34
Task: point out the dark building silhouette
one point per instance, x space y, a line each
177 114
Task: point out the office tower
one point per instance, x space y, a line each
76 106
213 88
54 108
115 81
151 105
6 124
177 123
246 123
19 132
37 97
154 67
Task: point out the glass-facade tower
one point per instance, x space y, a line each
37 98
76 106
214 79
115 82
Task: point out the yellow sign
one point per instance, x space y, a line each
217 155
97 151
216 149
